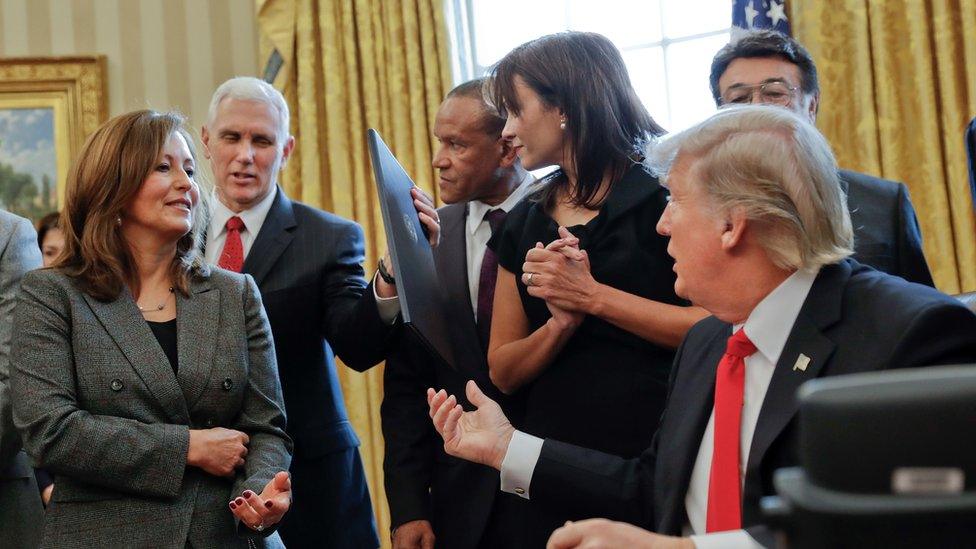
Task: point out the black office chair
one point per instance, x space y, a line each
888 459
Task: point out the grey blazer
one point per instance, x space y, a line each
21 512
99 406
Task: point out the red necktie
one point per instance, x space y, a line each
724 487
486 280
232 258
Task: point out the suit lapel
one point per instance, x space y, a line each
198 314
126 326
821 309
272 239
450 257
694 397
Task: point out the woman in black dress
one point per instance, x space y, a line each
586 326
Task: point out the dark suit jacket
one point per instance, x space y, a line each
886 232
308 266
100 407
21 511
855 319
422 482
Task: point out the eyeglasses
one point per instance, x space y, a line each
774 93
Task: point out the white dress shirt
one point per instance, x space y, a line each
478 232
768 327
476 236
253 219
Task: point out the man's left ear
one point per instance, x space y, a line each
286 151
734 232
813 107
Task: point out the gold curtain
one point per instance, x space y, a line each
898 87
349 65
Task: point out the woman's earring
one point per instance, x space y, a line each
118 220
562 124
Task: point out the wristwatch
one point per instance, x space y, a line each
384 274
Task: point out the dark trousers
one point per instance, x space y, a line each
330 505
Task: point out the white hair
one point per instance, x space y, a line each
248 88
773 166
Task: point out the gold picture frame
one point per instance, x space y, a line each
47 105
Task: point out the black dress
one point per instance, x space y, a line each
606 389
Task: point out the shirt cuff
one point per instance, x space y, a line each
388 307
519 463
733 539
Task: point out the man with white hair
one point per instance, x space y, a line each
307 264
761 236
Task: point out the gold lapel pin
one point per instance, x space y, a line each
801 363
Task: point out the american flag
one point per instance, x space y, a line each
759 14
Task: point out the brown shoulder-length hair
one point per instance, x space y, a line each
582 74
106 176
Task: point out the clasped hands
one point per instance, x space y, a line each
559 273
221 452
483 435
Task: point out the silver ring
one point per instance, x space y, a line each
528 281
259 527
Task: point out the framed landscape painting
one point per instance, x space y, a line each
48 106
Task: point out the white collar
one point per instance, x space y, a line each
477 209
253 217
771 321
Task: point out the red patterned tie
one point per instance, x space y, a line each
232 258
724 486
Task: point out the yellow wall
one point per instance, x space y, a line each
162 54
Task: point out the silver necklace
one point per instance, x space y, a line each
159 307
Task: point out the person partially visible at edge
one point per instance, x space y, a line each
154 435
770 68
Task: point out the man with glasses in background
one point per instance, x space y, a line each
769 67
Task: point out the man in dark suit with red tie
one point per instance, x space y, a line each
432 495
307 264
761 238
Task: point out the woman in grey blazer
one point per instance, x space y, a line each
144 380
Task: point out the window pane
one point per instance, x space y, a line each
626 22
688 66
501 25
688 17
646 68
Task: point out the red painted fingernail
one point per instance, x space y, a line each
248 494
239 501
268 504
232 505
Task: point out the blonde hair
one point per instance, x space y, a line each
112 166
774 167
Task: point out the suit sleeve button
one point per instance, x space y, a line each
116 385
520 491
228 384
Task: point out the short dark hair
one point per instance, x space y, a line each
765 43
491 122
584 75
45 224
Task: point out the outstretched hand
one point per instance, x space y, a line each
481 436
258 512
